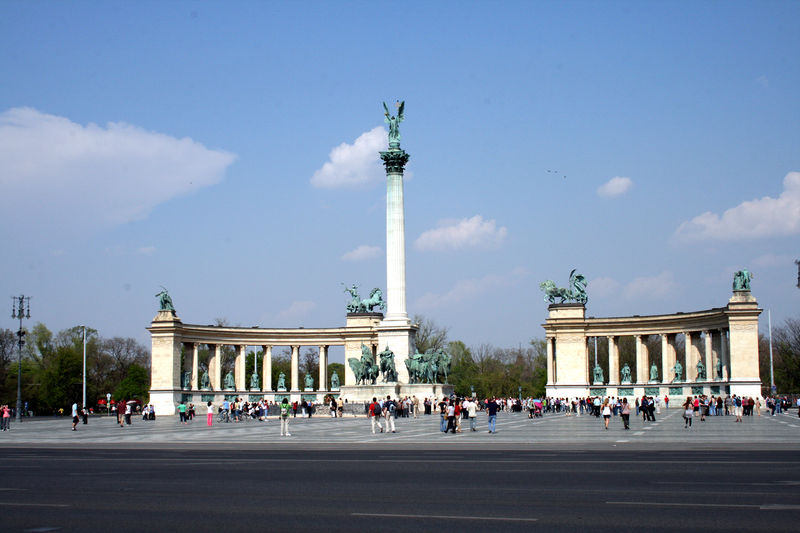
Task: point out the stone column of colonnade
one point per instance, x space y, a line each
613 360
323 368
295 385
240 379
688 356
708 353
723 352
195 365
215 366
266 368
667 357
642 371
551 364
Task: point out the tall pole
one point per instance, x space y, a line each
18 310
771 370
84 367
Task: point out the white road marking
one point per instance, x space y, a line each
448 517
12 504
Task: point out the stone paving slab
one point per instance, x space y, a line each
552 431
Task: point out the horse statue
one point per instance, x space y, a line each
365 370
575 292
551 292
443 361
357 305
375 300
413 367
387 368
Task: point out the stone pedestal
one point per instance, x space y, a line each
365 393
571 370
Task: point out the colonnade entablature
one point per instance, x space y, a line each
710 352
178 374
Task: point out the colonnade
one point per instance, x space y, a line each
241 379
724 339
709 346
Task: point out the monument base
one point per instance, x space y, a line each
365 393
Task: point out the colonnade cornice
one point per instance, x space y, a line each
190 333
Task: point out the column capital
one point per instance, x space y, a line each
395 160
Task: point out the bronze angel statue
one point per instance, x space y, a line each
394 123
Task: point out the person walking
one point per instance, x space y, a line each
451 417
491 411
688 412
625 413
5 422
472 411
389 411
85 415
74 416
182 413
737 402
375 411
285 418
606 412
209 413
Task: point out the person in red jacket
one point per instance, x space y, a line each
375 409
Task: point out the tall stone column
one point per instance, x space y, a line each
723 353
394 160
613 361
688 357
550 362
323 368
216 375
295 368
239 368
266 368
195 361
641 360
395 330
667 357
707 355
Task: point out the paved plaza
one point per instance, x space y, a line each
553 474
513 429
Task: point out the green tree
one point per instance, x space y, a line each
135 385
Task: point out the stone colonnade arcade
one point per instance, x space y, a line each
719 353
172 341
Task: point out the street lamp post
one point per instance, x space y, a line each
83 405
21 308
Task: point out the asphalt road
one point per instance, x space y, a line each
415 489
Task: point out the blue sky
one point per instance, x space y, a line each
229 153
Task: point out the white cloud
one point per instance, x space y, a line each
472 232
603 287
362 253
763 81
615 186
753 219
67 177
354 164
468 289
651 287
771 261
146 250
297 310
